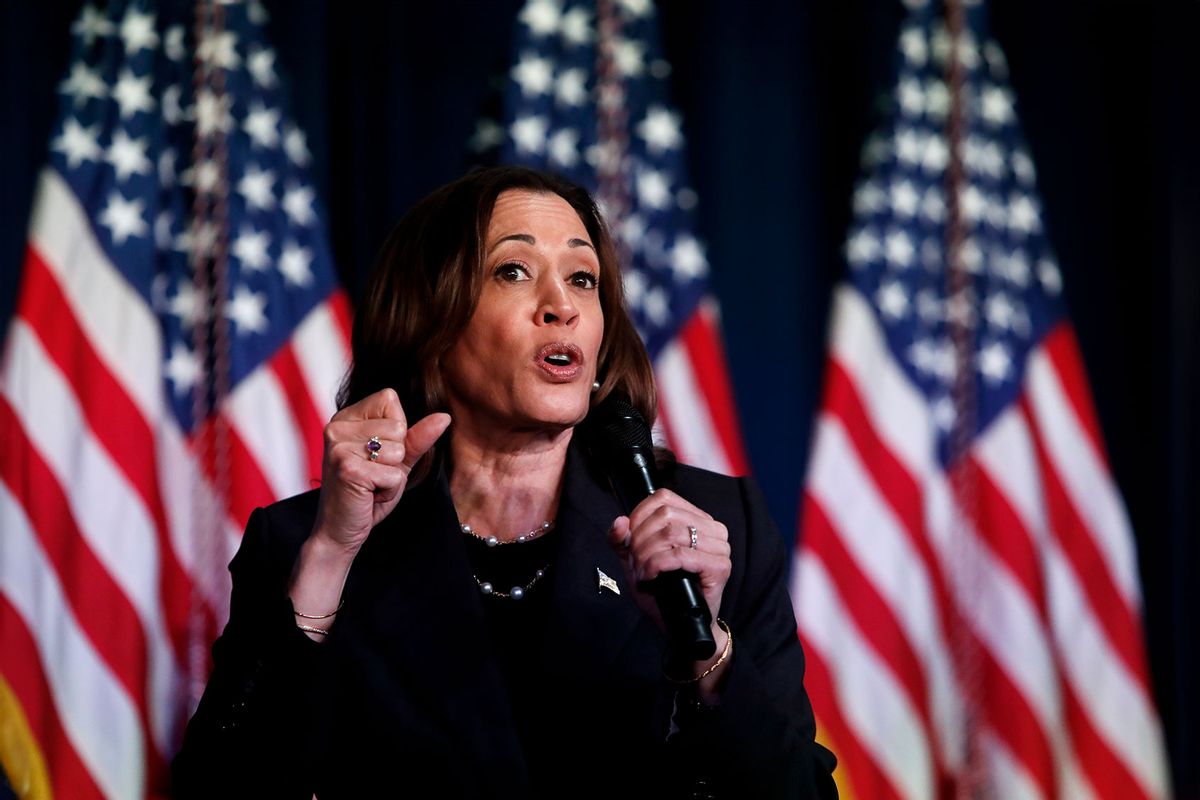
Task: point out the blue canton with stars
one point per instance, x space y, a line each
124 143
896 246
552 113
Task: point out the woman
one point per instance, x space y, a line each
463 602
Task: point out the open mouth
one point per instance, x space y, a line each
560 358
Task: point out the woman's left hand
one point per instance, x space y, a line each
657 538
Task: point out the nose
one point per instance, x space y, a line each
556 306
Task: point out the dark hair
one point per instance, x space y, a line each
427 280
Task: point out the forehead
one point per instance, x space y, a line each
543 215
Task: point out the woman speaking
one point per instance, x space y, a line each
465 603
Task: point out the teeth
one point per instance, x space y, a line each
559 358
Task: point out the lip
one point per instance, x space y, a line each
555 372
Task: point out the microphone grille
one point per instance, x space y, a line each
620 424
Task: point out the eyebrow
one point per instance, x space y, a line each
527 239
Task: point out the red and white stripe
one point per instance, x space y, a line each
697 415
100 498
1038 583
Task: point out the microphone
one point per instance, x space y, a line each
621 439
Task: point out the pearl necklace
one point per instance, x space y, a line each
491 540
516 592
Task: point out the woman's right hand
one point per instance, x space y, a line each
356 492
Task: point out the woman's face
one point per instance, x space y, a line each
527 357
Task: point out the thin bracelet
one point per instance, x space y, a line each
321 616
724 655
312 629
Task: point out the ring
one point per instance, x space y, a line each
695 536
373 448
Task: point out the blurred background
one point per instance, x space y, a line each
777 99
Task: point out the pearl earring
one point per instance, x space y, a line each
595 386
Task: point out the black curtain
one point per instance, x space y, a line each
777 97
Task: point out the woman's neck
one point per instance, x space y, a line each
507 485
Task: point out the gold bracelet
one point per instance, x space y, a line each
724 655
322 616
312 629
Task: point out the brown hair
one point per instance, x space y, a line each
427 280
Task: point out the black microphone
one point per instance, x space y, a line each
621 439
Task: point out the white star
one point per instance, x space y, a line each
869 198
245 309
940 44
929 307
995 363
996 213
656 306
200 238
876 150
909 146
90 25
256 12
576 26
540 16
937 99
184 305
533 74
77 143
123 218
138 31
892 300
261 66
250 248
971 203
488 134
563 148
182 368
171 110
936 155
132 93
173 43
1049 275
634 281
960 308
970 256
255 186
203 177
295 146
83 84
629 57
999 311
297 202
910 96
904 198
660 130
633 229
162 232
862 248
995 105
912 44
1022 167
968 51
1023 214
635 8
295 263
932 256
933 207
934 358
687 258
997 63
570 87
898 248
262 125
212 113
529 134
166 167
1014 266
603 158
219 50
653 189
128 156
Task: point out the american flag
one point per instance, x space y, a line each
175 352
587 98
965 586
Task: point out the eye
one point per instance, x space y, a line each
512 272
584 280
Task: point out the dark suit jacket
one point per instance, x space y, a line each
406 691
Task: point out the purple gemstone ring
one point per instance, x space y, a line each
373 448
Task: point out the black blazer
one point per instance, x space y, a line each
406 691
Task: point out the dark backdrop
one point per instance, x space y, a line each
777 97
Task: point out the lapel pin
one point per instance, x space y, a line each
606 582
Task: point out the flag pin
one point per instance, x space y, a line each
606 582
